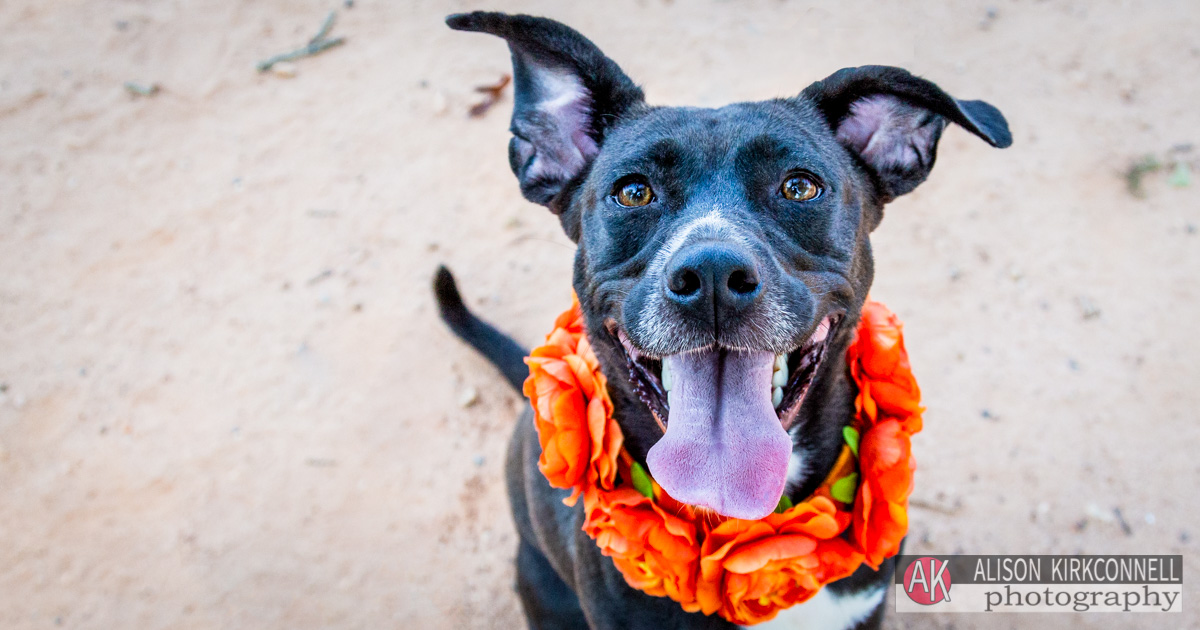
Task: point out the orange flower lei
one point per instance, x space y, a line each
746 571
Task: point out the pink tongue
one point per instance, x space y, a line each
725 448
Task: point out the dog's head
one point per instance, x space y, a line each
723 253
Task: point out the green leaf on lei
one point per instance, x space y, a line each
851 436
844 489
641 480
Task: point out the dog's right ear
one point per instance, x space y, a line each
567 95
893 120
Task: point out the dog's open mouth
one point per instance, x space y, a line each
791 374
725 414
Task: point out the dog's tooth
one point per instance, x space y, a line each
779 378
667 381
777 397
781 361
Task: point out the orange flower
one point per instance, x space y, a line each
750 570
565 386
879 365
654 550
881 514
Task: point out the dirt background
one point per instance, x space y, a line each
227 401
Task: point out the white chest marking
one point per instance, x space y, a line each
826 611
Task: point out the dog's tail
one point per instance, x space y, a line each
504 353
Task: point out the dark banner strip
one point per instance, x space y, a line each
1020 569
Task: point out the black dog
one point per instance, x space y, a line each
715 248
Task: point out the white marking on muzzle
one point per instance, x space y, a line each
652 322
659 332
717 227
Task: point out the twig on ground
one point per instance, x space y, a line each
1122 522
949 510
325 273
492 96
1136 171
326 26
138 89
316 45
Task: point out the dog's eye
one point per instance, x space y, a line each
634 194
800 188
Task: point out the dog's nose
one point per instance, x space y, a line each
712 279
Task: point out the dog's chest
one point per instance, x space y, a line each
827 611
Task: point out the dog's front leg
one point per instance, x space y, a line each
548 602
609 602
562 578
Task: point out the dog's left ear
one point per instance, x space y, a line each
567 95
893 121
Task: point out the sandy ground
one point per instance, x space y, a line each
228 402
